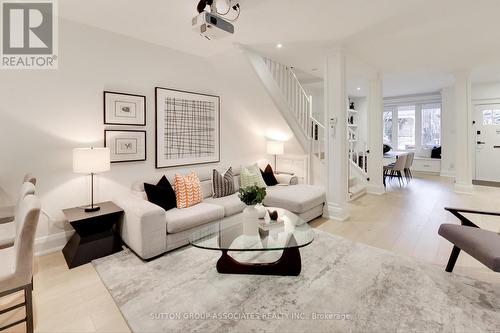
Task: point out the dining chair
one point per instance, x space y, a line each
7 213
29 178
409 163
396 169
16 271
8 230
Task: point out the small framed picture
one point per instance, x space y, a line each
126 145
124 109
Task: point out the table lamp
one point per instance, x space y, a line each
91 161
275 148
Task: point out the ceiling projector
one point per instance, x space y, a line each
210 23
211 26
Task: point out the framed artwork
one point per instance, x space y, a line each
124 109
187 128
126 145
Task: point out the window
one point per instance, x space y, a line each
419 125
431 125
406 127
491 116
388 127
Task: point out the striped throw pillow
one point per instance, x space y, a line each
250 177
187 190
222 184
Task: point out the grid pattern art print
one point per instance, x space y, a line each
190 128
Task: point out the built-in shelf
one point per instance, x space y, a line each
352 111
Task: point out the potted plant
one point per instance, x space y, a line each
252 196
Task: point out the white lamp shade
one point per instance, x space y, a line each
91 160
275 147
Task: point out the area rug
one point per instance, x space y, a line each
343 287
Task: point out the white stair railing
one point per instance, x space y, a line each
357 152
296 97
318 139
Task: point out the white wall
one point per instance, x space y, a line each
44 114
487 90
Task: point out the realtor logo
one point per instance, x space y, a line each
29 34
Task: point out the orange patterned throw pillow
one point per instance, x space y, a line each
187 190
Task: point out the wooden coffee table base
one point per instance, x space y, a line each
289 264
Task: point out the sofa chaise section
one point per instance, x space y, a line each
304 200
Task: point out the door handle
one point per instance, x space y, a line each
481 142
496 146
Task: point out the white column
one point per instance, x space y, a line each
375 136
336 138
463 118
448 132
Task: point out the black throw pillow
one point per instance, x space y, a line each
436 152
268 176
161 194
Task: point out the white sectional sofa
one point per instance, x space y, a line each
149 230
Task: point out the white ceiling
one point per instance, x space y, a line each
416 44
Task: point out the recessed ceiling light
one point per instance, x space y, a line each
358 88
279 46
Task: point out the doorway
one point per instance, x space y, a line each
487 144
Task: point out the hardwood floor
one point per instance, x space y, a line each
404 220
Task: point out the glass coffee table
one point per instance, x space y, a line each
241 233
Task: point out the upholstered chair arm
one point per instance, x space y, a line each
465 221
286 178
144 227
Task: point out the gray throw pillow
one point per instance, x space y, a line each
222 184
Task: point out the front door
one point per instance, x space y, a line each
487 127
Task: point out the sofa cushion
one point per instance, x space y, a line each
295 198
231 203
186 218
206 188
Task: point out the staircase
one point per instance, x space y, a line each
292 101
296 107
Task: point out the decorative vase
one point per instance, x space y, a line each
250 220
261 210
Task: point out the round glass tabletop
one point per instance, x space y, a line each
241 232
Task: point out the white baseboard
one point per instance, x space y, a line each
464 188
51 243
449 174
336 212
375 189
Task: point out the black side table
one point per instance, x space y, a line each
95 236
